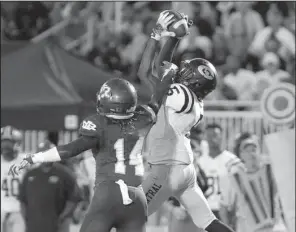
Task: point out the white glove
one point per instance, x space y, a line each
161 26
18 167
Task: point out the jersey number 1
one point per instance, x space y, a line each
135 157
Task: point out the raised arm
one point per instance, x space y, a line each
167 52
66 151
146 66
157 86
145 72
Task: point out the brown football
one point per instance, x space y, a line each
179 26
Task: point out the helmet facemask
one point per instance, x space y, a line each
196 78
186 76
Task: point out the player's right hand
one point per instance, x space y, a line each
163 21
17 168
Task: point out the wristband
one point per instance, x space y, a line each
51 155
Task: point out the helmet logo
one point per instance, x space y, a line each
206 72
105 92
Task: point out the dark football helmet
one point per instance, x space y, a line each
199 75
117 99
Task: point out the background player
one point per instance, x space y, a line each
253 188
216 163
11 218
167 144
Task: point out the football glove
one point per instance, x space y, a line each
18 167
160 30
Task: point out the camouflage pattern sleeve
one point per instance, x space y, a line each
90 126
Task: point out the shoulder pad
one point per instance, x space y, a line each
90 126
234 164
179 98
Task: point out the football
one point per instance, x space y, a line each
179 26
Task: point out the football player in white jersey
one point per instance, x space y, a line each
11 218
167 145
216 163
253 189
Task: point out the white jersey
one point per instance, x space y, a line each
10 186
216 170
168 140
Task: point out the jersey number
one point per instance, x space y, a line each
135 157
213 186
171 91
10 187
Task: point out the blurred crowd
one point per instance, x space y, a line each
252 44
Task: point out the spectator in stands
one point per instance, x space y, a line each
200 35
49 195
241 80
275 37
242 27
31 18
132 52
220 50
271 73
222 91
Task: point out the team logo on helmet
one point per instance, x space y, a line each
206 72
105 92
278 103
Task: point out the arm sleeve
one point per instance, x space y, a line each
74 148
227 192
145 69
180 99
166 53
89 132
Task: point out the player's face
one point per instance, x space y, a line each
214 138
7 149
249 155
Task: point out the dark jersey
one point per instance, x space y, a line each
119 145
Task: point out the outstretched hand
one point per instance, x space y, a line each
164 20
18 167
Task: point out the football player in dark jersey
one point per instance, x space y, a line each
116 135
167 144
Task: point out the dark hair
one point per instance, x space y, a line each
282 7
213 126
53 137
240 138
